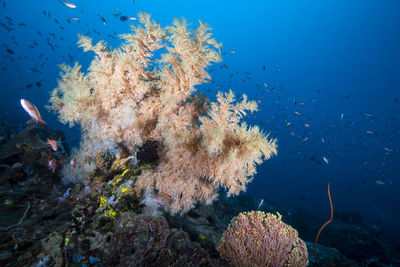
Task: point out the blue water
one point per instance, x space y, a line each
338 57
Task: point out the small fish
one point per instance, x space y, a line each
298 113
260 204
288 123
32 111
265 84
371 132
10 51
73 18
291 133
306 125
102 19
341 116
388 149
117 14
73 163
346 97
326 160
305 139
35 69
53 144
125 18
259 101
163 199
232 51
379 182
68 4
322 140
52 165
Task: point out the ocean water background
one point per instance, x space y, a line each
338 57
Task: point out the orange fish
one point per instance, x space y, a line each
53 144
163 199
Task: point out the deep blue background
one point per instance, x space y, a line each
336 56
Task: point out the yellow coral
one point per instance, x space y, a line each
127 170
110 213
103 202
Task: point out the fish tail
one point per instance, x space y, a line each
40 121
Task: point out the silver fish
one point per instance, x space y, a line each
32 111
260 204
68 4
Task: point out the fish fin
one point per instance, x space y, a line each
30 121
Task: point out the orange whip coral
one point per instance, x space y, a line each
323 226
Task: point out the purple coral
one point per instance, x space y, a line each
261 239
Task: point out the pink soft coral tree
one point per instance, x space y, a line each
259 239
145 91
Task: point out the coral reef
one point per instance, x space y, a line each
145 92
104 223
259 239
